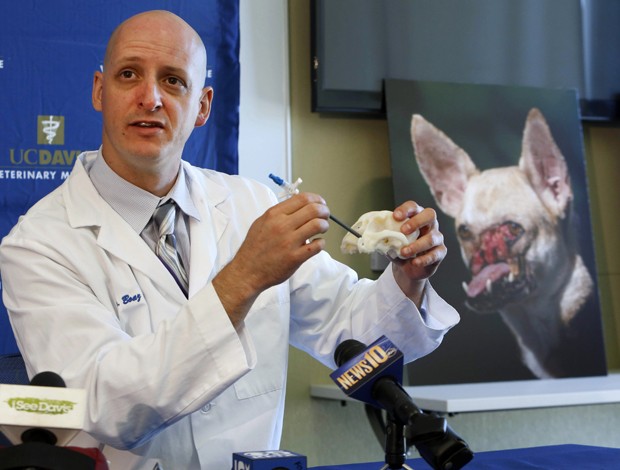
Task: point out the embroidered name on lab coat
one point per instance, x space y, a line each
131 298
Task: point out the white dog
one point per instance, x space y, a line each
516 236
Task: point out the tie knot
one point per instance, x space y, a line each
164 217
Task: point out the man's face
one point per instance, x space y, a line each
151 94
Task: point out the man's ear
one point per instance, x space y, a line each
97 90
206 99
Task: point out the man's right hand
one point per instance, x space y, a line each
277 243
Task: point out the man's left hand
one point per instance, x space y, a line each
424 255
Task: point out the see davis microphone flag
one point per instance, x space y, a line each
49 52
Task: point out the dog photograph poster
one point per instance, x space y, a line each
504 168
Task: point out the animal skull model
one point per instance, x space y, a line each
380 233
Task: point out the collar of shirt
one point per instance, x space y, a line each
134 204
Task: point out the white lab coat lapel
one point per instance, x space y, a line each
119 239
205 255
85 207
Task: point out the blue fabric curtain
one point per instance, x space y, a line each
48 54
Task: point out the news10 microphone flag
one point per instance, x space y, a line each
49 52
355 377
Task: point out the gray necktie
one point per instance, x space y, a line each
166 249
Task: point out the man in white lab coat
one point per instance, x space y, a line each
183 379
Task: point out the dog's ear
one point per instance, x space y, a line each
444 165
544 165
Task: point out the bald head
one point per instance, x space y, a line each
169 29
152 96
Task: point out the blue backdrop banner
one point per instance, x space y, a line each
49 52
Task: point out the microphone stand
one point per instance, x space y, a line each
395 447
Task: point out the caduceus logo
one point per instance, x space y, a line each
51 130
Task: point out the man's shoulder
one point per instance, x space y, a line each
47 210
47 214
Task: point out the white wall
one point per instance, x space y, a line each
264 129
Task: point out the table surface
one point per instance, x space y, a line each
507 395
560 457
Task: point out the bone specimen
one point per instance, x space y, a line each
379 233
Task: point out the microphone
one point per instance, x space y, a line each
43 379
48 379
373 374
269 460
44 411
36 417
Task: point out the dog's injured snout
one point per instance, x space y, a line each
498 274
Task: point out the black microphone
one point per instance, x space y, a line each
48 379
390 395
45 436
371 374
38 416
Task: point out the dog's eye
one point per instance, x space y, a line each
515 230
464 233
